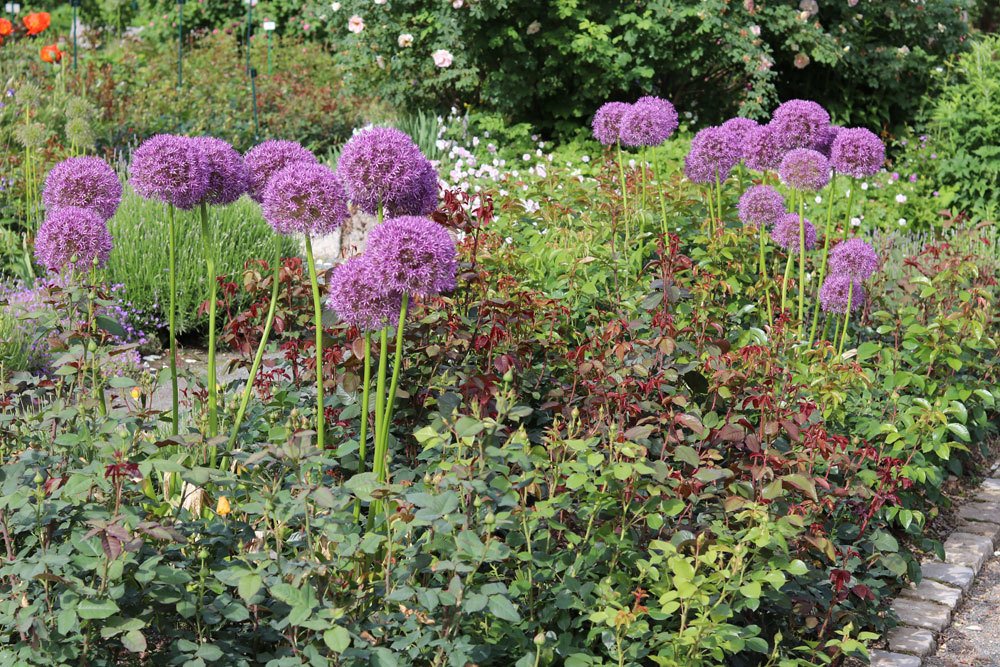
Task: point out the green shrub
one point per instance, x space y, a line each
14 348
139 260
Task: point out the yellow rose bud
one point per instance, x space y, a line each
222 507
136 393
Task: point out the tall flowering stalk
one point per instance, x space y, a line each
795 235
606 127
851 263
715 152
760 207
646 124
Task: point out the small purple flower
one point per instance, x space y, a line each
836 289
305 198
854 258
762 149
228 176
648 122
359 296
825 139
761 205
383 167
799 123
786 233
607 122
739 129
83 182
413 255
805 169
73 237
171 169
266 159
714 152
857 152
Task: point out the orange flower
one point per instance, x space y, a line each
37 22
51 54
6 28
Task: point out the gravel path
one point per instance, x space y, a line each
973 640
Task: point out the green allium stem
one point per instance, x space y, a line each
763 274
172 318
365 397
213 388
802 261
847 317
621 174
784 282
318 322
396 366
826 255
850 208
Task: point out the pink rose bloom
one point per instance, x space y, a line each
356 24
442 58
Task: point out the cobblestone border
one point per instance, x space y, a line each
925 610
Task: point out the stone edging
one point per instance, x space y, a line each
925 610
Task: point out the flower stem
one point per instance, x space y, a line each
213 408
659 189
172 317
394 384
850 209
784 282
621 174
365 395
847 317
718 200
826 255
318 322
383 365
802 262
763 275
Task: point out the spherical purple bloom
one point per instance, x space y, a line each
835 291
413 255
73 237
423 198
761 205
648 122
857 152
359 296
266 159
739 129
825 138
762 149
171 169
786 233
305 198
799 123
805 169
84 182
714 152
855 258
382 166
607 122
228 176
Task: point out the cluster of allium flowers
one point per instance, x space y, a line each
648 122
798 123
360 297
228 176
73 237
607 122
786 233
413 255
83 182
170 169
854 258
266 159
305 198
762 149
423 198
739 130
805 169
713 154
382 166
761 205
825 138
857 152
836 289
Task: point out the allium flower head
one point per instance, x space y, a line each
714 152
762 149
266 159
761 205
786 233
423 198
857 152
834 293
171 169
648 122
805 169
854 258
413 255
359 296
228 176
71 233
83 182
739 129
305 198
799 123
607 122
825 138
382 165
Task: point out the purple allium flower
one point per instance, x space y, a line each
423 198
761 205
84 182
359 296
714 152
739 129
228 176
305 198
648 122
413 255
762 149
786 233
266 159
857 152
825 138
855 258
799 123
383 166
171 169
72 232
805 169
607 122
835 290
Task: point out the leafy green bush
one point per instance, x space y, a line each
14 346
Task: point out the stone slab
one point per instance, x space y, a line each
990 487
934 591
981 511
984 528
968 550
887 659
912 641
922 614
953 575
